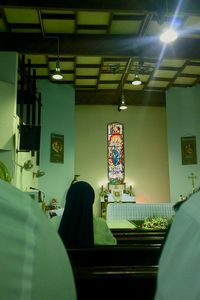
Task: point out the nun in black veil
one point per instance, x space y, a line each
78 227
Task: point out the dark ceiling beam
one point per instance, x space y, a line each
100 45
3 16
106 97
187 6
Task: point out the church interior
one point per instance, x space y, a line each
122 113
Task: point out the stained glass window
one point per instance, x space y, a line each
115 138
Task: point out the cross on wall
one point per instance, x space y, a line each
192 177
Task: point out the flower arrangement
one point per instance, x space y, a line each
157 223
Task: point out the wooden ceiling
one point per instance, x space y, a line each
102 44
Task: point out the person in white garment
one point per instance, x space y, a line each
34 264
179 264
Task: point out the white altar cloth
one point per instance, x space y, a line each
138 211
119 224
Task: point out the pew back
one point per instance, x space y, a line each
113 272
135 236
118 255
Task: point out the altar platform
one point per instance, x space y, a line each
120 224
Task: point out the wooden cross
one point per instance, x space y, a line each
193 177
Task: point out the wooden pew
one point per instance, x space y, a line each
117 271
118 255
134 282
137 236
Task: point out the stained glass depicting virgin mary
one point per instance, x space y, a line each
115 153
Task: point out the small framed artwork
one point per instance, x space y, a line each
188 150
57 148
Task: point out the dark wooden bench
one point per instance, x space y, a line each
137 236
118 255
115 282
115 272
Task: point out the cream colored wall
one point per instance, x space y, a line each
145 142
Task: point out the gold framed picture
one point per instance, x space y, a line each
57 148
188 150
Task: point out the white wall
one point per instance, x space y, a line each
183 111
145 142
57 117
9 133
8 96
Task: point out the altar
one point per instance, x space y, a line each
139 211
116 194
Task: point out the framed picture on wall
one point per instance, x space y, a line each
188 150
57 148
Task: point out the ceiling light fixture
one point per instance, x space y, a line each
122 105
136 80
57 74
168 36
